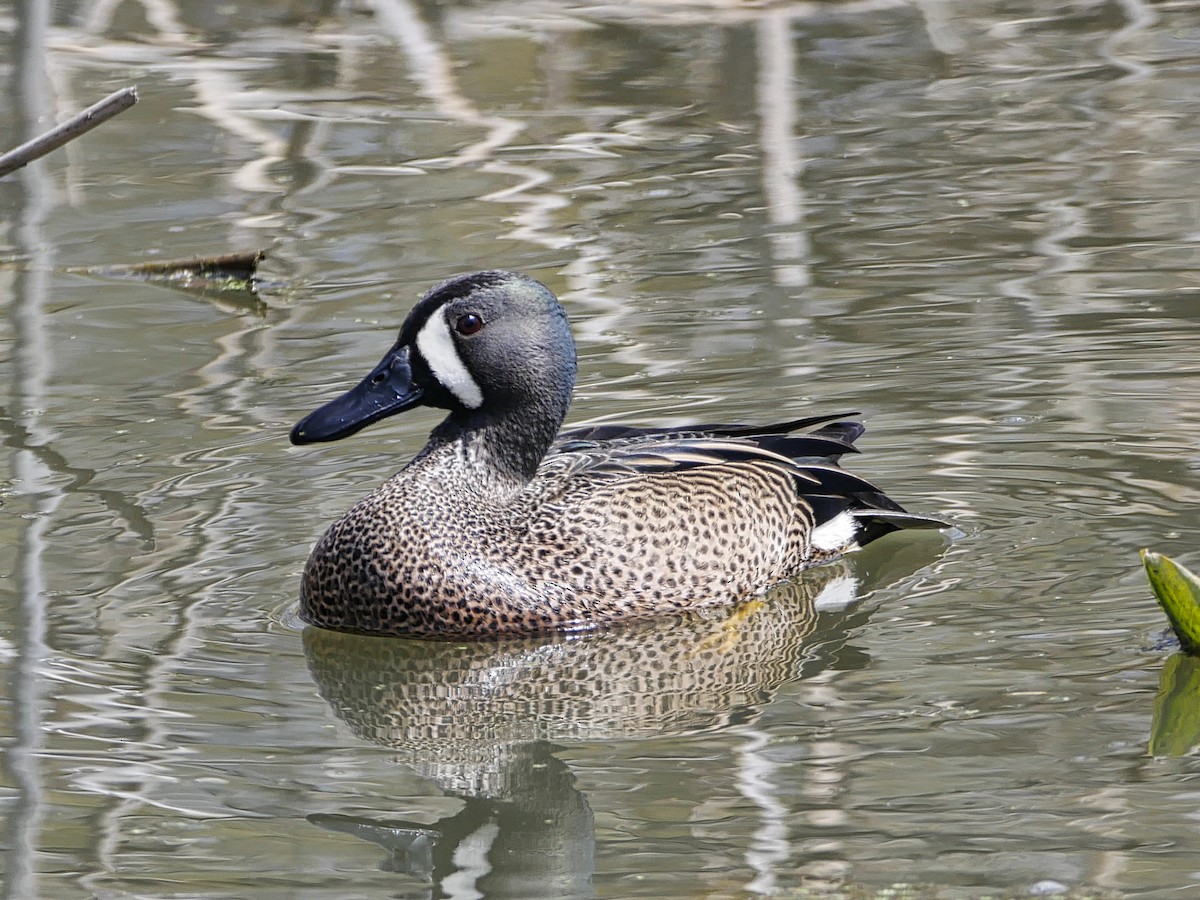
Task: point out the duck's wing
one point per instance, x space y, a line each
658 448
606 452
613 452
618 433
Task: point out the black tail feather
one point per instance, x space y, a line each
875 523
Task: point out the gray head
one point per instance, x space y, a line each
489 347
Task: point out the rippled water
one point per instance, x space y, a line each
976 222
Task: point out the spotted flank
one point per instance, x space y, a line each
502 525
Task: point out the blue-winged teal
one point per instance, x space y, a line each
503 526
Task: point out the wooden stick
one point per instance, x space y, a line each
81 123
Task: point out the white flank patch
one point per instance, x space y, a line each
838 594
435 344
836 534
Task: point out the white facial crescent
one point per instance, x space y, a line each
436 345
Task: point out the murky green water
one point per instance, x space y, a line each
976 222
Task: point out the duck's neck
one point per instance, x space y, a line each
504 449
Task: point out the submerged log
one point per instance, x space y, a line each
224 272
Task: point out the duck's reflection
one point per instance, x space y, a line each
535 840
481 719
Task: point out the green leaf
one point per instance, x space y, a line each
1178 593
1176 727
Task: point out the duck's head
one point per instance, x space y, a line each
487 346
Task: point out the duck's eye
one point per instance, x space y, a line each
468 323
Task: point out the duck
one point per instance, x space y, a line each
503 525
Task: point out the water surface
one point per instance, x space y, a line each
975 222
